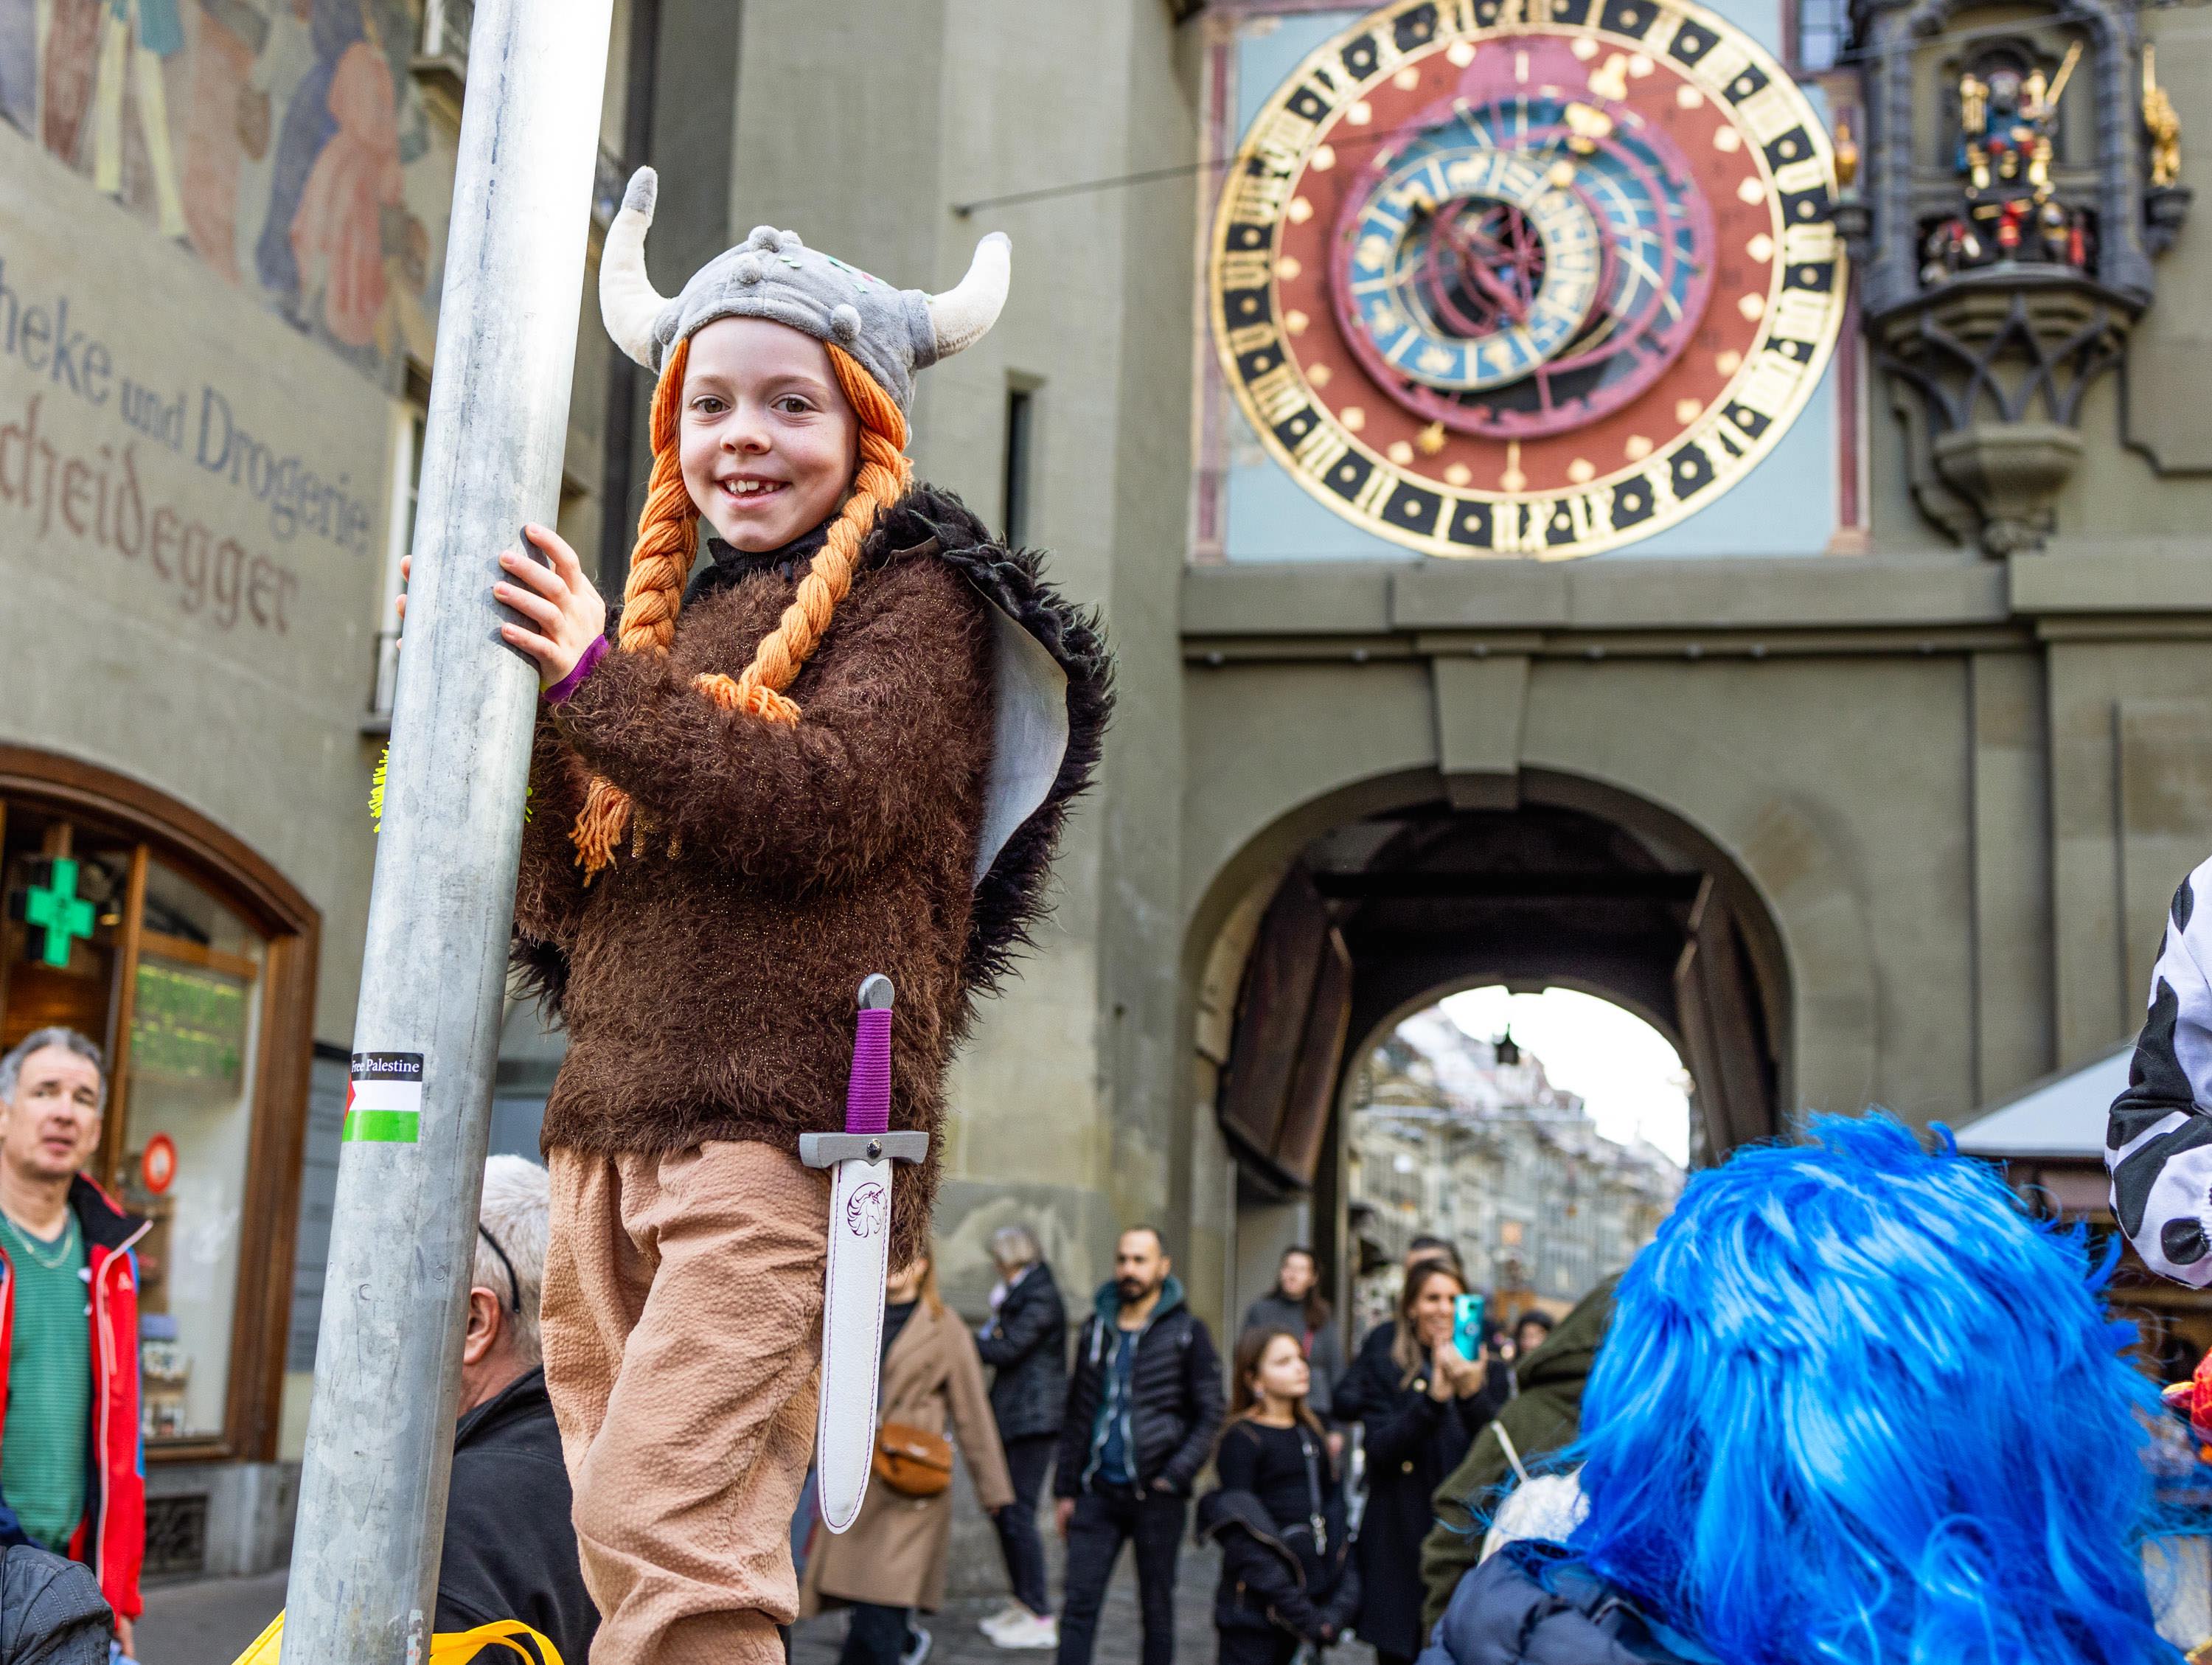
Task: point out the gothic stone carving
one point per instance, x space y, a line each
1999 282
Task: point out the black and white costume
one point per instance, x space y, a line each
2159 1143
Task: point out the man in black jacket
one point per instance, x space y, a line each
1143 1408
510 1550
1025 1344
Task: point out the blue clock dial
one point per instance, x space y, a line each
1527 257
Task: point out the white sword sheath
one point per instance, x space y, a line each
859 1160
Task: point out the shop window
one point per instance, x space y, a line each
442 54
197 983
318 1190
187 1116
67 891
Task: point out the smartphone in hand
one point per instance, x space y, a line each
1466 1326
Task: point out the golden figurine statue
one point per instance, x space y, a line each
1973 132
1973 106
2161 123
1847 156
2066 67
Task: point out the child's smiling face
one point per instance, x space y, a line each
768 442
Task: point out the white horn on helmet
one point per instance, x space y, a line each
961 314
628 302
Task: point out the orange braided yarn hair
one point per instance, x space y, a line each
662 559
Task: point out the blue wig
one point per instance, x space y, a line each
1855 1407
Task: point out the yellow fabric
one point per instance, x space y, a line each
453 1648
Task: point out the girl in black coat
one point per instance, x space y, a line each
1287 1577
1422 1405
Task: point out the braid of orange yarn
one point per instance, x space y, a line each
662 558
883 473
651 596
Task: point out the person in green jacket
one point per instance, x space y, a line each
1543 1416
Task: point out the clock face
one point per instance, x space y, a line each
1531 277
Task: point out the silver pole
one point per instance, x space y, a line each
388 1365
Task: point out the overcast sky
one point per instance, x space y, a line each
1626 1075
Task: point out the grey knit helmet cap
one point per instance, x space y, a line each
773 275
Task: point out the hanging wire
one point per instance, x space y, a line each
1355 141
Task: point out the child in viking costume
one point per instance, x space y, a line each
847 749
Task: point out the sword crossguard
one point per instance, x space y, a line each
828 1150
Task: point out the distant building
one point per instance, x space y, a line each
1445 1139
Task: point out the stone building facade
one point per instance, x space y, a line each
1866 780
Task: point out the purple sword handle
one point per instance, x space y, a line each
868 1096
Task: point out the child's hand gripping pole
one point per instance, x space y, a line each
859 1160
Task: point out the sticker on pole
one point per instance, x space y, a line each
384 1099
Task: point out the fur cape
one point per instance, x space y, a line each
707 979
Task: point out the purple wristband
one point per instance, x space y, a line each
586 664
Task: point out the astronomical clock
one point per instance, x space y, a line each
1527 277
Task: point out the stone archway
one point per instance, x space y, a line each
1381 896
1574 884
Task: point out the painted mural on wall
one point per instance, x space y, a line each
283 141
186 478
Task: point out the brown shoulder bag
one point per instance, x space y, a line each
912 1461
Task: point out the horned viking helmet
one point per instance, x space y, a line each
773 275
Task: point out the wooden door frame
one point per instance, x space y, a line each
292 926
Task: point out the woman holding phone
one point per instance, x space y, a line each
1423 1403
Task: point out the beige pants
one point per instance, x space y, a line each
683 1327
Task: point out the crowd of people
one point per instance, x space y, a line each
1142 1419
1812 1421
1855 1402
1828 1378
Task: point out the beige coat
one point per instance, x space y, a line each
896 1552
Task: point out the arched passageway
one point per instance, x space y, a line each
1376 917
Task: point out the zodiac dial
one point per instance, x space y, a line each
1531 277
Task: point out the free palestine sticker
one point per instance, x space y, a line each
384 1099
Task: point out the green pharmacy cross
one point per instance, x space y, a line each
56 905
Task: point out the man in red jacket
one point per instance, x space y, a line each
71 1478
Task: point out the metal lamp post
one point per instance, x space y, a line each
379 1436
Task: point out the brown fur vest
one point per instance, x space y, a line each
707 979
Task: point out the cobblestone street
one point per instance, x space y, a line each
209 1622
956 1640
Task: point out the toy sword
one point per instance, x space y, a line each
859 1160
